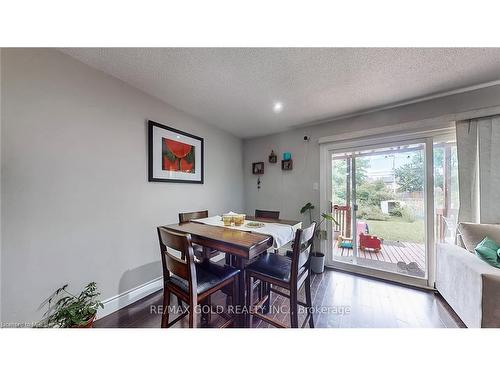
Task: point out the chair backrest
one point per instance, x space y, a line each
267 214
302 248
183 268
185 217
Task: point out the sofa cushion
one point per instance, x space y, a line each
487 250
472 234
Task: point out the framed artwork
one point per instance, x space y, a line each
273 158
287 165
174 155
258 168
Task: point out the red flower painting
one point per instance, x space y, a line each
177 156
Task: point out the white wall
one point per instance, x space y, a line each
77 206
287 191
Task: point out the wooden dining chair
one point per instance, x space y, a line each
191 282
287 273
202 253
267 214
205 254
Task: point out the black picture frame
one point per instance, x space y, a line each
287 165
258 168
273 158
151 177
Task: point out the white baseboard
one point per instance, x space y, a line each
126 298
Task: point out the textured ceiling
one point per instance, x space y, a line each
235 88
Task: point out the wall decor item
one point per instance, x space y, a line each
258 168
287 165
287 156
258 182
273 158
174 155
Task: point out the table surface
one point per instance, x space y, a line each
237 242
235 238
279 221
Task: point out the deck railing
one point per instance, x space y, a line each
342 215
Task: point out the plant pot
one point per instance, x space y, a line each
317 262
88 324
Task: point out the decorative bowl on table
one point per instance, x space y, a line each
239 219
228 219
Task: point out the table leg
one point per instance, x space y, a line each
230 262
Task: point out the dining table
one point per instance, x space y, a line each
243 244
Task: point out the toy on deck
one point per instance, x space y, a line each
366 241
346 242
370 242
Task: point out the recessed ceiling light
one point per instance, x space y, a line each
277 107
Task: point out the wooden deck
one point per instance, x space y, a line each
392 252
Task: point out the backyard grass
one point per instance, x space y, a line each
396 229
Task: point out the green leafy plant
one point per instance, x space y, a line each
371 193
321 234
308 207
408 214
397 210
371 213
68 310
411 176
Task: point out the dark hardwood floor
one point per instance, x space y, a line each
342 300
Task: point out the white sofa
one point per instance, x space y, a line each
467 283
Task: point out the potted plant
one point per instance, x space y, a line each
317 257
71 311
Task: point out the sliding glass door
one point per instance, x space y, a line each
378 200
392 201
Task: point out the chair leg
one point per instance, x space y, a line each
294 318
309 299
193 321
234 297
248 305
166 304
209 314
267 304
206 313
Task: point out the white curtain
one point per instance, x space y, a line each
468 171
478 148
489 169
